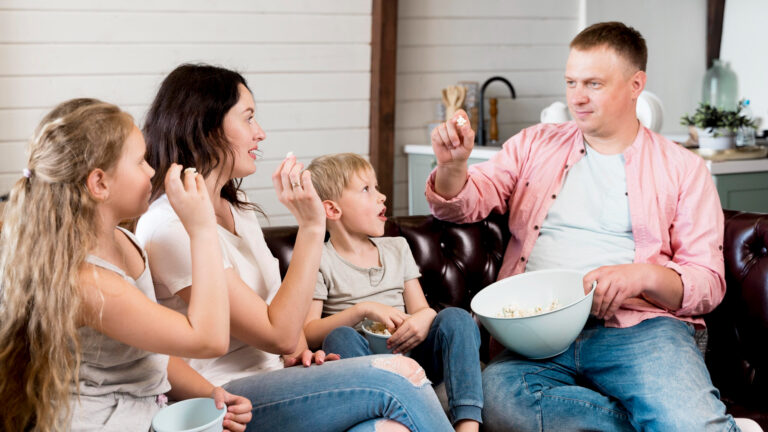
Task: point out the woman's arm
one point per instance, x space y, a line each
277 327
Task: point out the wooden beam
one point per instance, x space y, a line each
383 73
715 12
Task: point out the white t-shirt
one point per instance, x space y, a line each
588 225
163 236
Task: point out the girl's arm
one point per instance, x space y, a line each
186 383
116 308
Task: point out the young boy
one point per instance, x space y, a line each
364 275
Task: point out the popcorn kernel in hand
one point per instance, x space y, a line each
461 121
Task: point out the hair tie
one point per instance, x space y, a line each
26 173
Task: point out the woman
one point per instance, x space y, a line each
203 116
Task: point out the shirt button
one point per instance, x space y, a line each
527 183
566 166
626 193
522 259
535 227
581 151
720 247
554 196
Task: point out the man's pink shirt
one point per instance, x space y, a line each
677 220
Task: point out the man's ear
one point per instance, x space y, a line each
637 83
332 210
96 182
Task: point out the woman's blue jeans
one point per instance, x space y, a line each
648 377
451 352
341 395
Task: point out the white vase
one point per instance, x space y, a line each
716 139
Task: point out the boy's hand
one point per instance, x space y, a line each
412 332
238 409
308 357
391 317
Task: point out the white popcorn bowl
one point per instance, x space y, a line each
190 415
539 336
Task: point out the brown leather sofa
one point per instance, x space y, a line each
457 261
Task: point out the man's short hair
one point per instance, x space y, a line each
625 40
332 173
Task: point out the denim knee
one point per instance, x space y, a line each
509 405
455 320
346 342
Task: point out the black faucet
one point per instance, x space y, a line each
481 108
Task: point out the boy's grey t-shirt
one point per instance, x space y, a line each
341 284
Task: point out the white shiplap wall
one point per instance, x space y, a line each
307 62
442 42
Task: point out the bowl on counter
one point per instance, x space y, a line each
547 333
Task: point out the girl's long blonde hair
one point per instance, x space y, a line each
48 230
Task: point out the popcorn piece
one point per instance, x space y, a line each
461 121
514 311
192 170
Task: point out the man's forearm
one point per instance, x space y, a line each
450 179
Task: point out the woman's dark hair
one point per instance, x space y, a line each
184 125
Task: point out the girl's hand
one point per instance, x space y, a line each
453 143
189 198
238 409
295 190
308 357
391 317
412 332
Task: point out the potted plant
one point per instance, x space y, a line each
717 127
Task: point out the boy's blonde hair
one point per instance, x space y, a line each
332 173
48 230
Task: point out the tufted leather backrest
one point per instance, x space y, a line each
457 261
738 328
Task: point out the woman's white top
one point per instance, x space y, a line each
163 236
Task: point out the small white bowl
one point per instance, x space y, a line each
190 415
377 342
539 336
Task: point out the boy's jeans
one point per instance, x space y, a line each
342 395
652 370
451 352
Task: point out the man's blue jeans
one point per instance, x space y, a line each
341 395
648 377
451 352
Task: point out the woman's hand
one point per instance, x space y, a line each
308 357
295 190
189 198
238 409
451 142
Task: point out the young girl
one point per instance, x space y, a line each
203 116
78 312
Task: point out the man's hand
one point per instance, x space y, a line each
617 283
308 357
412 332
452 143
453 140
238 409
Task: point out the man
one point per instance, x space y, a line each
605 195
